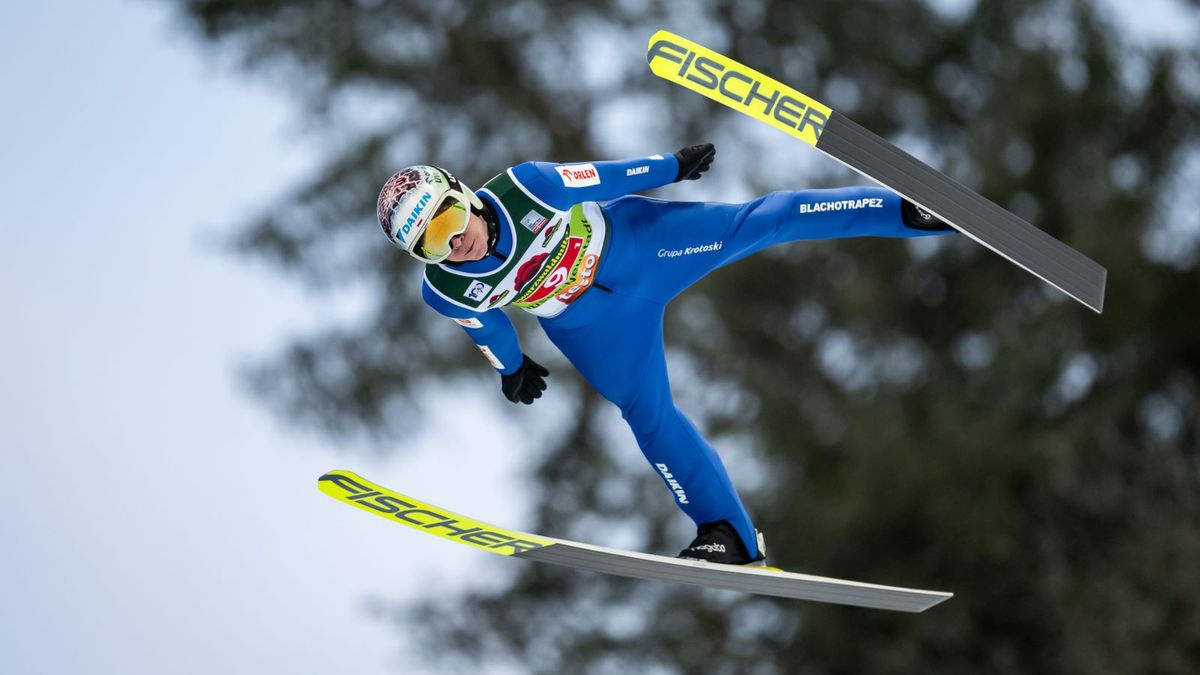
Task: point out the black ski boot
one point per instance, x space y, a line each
919 219
718 542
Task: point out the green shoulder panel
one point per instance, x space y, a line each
554 257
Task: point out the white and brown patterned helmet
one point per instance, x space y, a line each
422 207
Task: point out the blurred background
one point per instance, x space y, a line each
216 320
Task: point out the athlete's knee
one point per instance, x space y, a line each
653 417
766 202
761 218
646 421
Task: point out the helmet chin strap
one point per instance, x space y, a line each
493 226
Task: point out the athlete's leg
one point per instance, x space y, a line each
671 245
620 354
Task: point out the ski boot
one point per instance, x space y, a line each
919 219
718 542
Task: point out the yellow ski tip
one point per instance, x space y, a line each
350 488
716 76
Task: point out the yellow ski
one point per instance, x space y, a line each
361 493
740 87
752 93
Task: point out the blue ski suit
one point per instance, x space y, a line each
610 326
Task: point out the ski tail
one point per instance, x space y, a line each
720 78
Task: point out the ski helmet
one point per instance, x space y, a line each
422 208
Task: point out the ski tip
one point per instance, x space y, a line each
652 45
659 34
333 473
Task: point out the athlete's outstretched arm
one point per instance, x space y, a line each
564 185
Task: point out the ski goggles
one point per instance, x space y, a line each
449 220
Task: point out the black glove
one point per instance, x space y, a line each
919 219
526 384
694 160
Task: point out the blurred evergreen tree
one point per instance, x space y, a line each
922 414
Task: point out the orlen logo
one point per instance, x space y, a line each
414 217
579 175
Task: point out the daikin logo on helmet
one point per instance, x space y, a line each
414 218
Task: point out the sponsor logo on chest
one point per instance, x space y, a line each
534 221
477 290
497 298
587 274
560 274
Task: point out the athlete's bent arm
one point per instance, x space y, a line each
492 331
521 378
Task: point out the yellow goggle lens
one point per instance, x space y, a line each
449 221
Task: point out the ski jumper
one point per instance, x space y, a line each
598 267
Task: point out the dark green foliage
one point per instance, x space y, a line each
925 416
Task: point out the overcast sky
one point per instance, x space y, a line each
154 518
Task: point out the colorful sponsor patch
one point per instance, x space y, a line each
469 323
495 299
558 276
579 175
534 221
477 290
529 269
587 273
549 233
